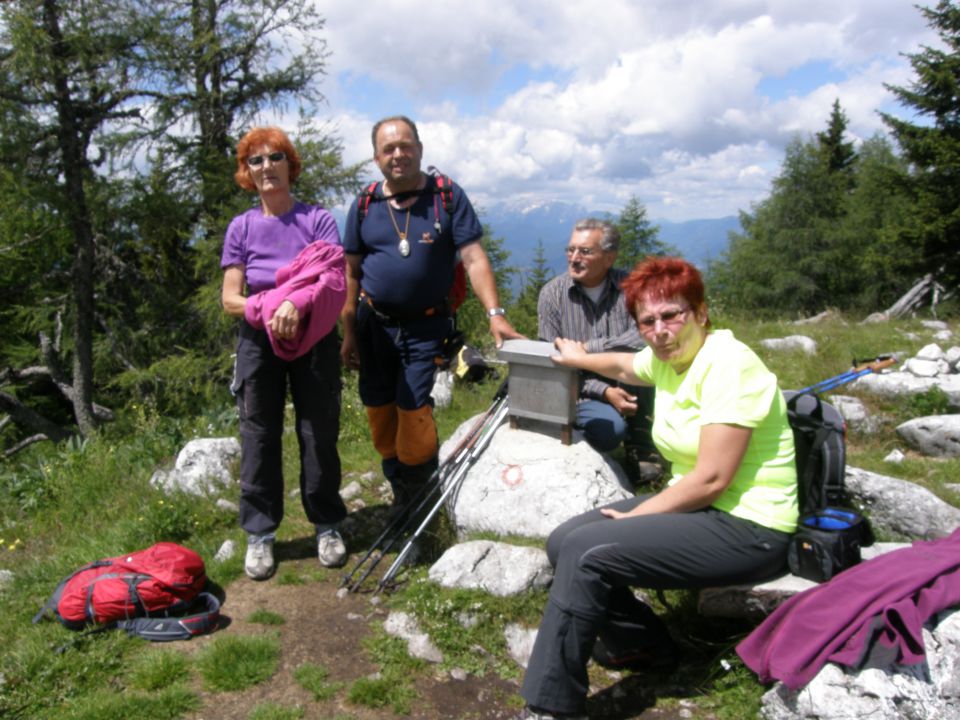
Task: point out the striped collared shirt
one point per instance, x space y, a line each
565 310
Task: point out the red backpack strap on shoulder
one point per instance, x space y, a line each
445 190
364 198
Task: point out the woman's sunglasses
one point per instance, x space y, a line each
275 157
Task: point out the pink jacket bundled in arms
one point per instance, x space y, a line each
315 283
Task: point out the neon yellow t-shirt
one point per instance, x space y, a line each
727 383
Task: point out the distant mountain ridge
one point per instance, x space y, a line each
697 240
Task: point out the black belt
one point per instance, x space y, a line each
397 314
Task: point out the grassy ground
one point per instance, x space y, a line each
62 507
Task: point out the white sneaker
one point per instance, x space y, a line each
331 550
258 564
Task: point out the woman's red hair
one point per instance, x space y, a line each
663 278
272 137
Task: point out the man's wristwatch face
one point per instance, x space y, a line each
493 312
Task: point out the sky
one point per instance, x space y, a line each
687 104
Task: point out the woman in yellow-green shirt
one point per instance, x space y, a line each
725 517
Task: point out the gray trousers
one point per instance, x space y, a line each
597 560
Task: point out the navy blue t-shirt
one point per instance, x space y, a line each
423 278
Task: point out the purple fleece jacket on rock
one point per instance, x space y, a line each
871 615
315 283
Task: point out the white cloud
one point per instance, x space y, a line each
657 98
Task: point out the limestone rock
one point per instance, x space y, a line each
202 466
924 368
855 413
791 342
442 392
904 383
943 336
227 506
931 352
525 483
405 626
755 602
936 435
226 551
895 456
351 491
929 691
900 509
6 579
498 568
520 641
952 356
934 324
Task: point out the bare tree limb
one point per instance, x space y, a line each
114 345
27 417
10 451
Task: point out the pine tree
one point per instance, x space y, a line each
524 314
837 153
638 236
932 146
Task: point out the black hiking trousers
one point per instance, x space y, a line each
260 386
598 559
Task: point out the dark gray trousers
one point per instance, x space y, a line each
597 560
261 389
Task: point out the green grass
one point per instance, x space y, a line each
273 711
106 704
381 692
392 686
460 621
315 679
235 662
160 668
266 617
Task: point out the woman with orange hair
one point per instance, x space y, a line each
725 517
284 279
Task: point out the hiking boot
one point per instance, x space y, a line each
258 564
331 550
529 713
661 658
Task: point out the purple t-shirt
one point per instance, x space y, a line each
263 244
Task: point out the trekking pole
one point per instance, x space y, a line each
400 522
413 517
476 450
859 370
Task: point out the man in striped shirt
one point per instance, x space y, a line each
586 304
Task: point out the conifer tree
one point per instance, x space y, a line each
932 145
638 236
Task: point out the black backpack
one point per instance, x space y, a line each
819 434
829 535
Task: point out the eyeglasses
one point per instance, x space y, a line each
584 252
274 157
670 317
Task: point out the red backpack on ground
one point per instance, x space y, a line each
148 593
